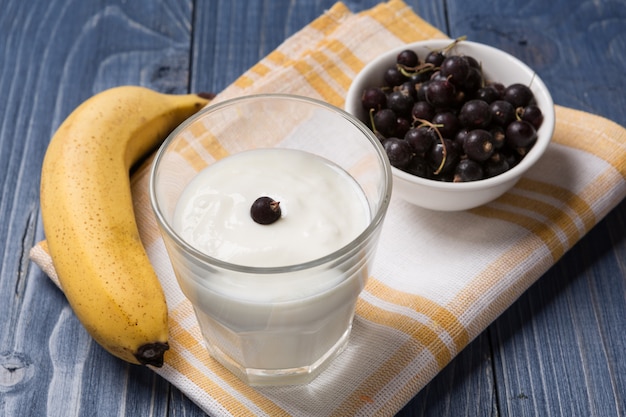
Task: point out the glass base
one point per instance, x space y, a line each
275 377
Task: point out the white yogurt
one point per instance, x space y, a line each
268 325
323 208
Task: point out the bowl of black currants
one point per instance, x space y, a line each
460 121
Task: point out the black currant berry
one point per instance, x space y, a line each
498 136
488 94
422 110
386 122
519 95
402 126
532 114
394 77
460 136
499 87
435 58
407 59
373 98
474 81
478 145
455 68
502 112
421 89
447 123
473 62
495 165
398 151
265 210
520 134
418 166
421 138
440 93
400 103
421 75
468 170
408 89
475 114
442 160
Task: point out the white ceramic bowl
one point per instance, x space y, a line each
497 66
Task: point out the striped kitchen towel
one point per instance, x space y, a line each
422 304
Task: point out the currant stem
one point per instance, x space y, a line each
371 114
444 149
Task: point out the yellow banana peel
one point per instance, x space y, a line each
89 222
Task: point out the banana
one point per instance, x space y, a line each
88 217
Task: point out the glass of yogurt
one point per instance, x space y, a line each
274 299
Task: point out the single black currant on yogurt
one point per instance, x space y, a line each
265 210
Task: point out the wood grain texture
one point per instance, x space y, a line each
576 47
559 351
570 328
56 55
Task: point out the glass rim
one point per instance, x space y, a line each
340 253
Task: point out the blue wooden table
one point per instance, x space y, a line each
560 350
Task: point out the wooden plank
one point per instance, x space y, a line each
558 350
568 43
54 55
464 388
231 36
